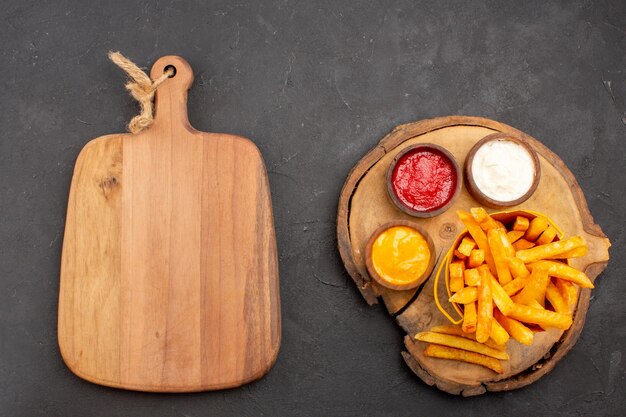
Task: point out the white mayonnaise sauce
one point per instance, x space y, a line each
503 170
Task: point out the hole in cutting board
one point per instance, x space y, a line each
173 68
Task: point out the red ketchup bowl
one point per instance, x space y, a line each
423 180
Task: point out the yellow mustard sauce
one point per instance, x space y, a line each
400 255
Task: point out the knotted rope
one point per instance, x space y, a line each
142 89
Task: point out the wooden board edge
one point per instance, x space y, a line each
167 389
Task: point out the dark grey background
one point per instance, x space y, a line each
315 84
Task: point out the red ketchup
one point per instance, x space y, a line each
424 179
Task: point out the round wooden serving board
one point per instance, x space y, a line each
364 205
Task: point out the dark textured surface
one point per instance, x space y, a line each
315 85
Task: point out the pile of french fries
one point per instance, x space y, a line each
512 281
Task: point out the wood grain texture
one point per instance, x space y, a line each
169 276
364 206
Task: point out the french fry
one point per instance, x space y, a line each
478 235
517 267
457 331
538 327
536 227
456 275
492 223
466 246
476 258
469 318
563 271
535 288
568 291
472 277
498 333
556 299
499 296
520 269
514 328
484 311
541 317
445 352
522 244
574 253
465 296
456 284
460 343
506 245
459 255
547 236
492 344
494 239
515 286
514 235
448 329
520 224
540 252
457 268
479 214
489 224
483 218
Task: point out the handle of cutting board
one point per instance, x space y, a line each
170 99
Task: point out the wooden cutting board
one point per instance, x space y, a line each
169 273
364 206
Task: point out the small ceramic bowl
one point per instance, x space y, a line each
473 187
436 210
370 264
